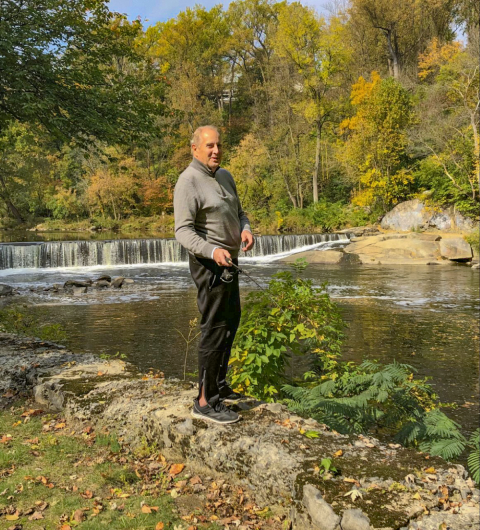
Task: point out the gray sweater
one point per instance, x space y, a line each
207 209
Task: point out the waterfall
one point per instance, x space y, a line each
52 254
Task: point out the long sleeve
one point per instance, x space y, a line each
242 216
185 204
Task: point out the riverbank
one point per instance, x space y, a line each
272 455
397 248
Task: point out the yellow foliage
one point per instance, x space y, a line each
436 56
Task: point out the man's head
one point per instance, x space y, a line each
207 147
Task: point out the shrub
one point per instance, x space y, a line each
291 317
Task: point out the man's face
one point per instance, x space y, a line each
209 152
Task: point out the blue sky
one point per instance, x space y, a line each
159 11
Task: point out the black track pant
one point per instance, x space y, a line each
219 305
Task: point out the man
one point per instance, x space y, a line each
211 225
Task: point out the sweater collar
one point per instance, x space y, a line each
200 166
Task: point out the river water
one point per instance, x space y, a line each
424 316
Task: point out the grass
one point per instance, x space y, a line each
88 480
53 477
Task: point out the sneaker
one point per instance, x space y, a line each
219 413
227 394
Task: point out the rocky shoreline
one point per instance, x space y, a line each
371 247
272 453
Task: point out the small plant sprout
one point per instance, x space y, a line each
192 324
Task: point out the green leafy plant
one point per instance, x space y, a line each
326 467
291 317
372 397
474 456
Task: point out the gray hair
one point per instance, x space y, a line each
197 134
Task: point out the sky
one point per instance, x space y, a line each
162 10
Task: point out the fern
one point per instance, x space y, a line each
474 456
372 396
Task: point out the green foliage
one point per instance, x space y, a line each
326 467
371 397
21 322
474 456
473 240
289 318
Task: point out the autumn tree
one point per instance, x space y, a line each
448 135
404 28
319 55
375 150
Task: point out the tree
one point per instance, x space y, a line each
377 141
318 53
449 135
406 27
63 67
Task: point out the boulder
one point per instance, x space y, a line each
118 282
105 277
456 249
102 284
395 249
322 514
316 256
355 520
412 215
129 280
69 284
77 291
5 290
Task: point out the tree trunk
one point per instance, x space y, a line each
316 169
393 54
8 202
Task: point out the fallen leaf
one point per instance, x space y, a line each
65 527
59 426
31 412
13 516
160 526
175 469
100 373
338 453
36 516
354 494
195 480
430 470
78 516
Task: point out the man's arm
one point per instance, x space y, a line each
247 236
185 206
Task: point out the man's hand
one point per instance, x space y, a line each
247 240
220 256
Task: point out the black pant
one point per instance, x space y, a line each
219 305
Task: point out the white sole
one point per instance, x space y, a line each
213 420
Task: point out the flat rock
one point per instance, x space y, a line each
316 256
456 249
69 284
